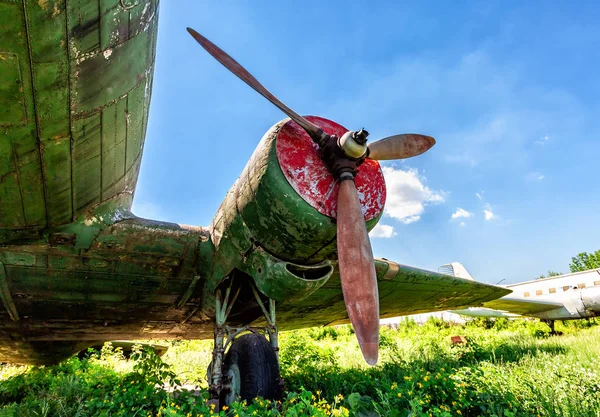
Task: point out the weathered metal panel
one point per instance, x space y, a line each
52 99
86 160
114 23
110 173
62 62
136 109
130 272
27 158
10 201
103 77
56 167
84 26
12 100
47 31
6 296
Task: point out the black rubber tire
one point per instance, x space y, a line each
256 362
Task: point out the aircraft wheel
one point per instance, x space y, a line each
252 369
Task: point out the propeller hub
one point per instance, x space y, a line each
354 144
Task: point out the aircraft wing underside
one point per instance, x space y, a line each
403 290
75 90
521 306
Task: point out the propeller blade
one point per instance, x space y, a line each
400 146
357 271
232 65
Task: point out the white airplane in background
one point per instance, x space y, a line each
564 297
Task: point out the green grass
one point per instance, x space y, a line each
505 369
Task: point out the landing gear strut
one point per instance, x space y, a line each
550 324
245 365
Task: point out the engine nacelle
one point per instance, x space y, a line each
284 203
590 297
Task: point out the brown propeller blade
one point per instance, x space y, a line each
232 65
400 146
357 271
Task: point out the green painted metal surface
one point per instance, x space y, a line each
75 82
407 291
76 267
283 281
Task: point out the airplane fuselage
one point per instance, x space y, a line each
579 292
569 297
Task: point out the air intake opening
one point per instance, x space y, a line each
309 272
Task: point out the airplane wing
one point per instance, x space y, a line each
521 306
403 290
74 102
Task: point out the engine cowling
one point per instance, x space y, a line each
590 297
285 202
288 199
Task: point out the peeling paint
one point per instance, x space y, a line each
55 10
107 53
90 222
307 174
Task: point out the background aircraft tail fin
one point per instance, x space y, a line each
455 269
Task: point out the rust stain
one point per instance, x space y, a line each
43 4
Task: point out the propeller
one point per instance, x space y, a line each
355 256
232 65
357 271
400 146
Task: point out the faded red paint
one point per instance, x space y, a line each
300 162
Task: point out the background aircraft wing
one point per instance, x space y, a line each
403 290
521 306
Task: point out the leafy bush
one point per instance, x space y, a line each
506 368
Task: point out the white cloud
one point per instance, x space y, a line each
479 195
535 176
407 195
462 224
461 213
382 231
542 141
488 213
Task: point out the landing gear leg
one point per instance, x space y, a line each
245 365
550 324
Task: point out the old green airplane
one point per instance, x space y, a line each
78 268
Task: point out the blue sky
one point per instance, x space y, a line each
510 92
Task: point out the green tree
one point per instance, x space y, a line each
550 274
585 261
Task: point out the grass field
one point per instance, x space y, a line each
505 369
